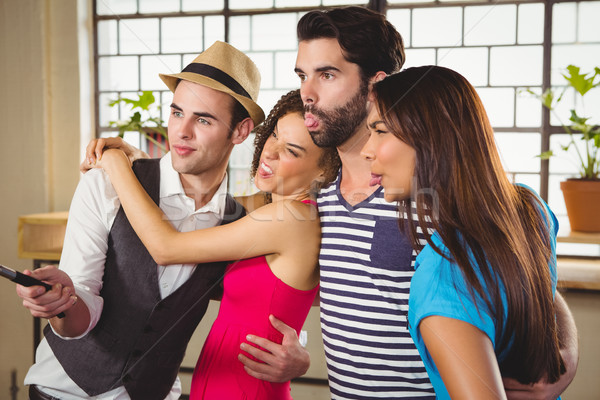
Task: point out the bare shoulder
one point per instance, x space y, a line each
293 210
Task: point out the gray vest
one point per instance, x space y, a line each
140 340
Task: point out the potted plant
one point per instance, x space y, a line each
150 127
581 194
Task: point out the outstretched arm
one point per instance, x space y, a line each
567 337
464 356
233 241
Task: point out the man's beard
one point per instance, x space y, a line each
338 125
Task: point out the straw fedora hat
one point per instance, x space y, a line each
224 68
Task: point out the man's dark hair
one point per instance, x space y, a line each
238 113
366 37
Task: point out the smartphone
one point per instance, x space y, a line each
24 280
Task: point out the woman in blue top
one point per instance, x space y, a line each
482 298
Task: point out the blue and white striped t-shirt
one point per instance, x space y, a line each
366 268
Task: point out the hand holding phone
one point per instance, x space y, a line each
24 280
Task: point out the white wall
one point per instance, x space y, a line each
39 110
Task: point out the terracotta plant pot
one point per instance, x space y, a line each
582 198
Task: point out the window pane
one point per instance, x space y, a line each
158 6
556 200
107 113
250 4
214 29
151 66
499 104
472 63
285 77
239 32
437 27
521 158
116 7
127 109
533 181
268 98
201 5
188 59
401 20
264 62
589 16
586 107
418 57
516 65
138 36
562 111
565 162
274 32
107 37
296 3
490 25
118 73
585 56
409 1
531 23
165 105
182 35
564 22
529 109
344 2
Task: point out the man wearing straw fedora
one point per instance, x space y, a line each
128 320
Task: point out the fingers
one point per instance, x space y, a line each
50 303
99 148
95 148
272 361
91 155
46 273
286 330
91 151
262 355
253 368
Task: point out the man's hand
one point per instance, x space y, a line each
567 338
96 147
47 304
537 391
282 362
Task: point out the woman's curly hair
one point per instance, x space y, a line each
289 103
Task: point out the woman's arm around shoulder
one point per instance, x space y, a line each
269 229
272 229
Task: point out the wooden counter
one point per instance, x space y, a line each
40 236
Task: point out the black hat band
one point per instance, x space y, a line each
218 75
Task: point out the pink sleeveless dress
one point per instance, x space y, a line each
251 293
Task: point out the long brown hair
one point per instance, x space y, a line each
487 223
291 103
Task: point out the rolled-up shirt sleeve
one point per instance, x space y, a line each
91 215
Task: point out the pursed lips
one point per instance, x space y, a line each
310 121
375 180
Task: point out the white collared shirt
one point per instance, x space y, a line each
92 213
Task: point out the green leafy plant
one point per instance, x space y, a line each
146 126
588 159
